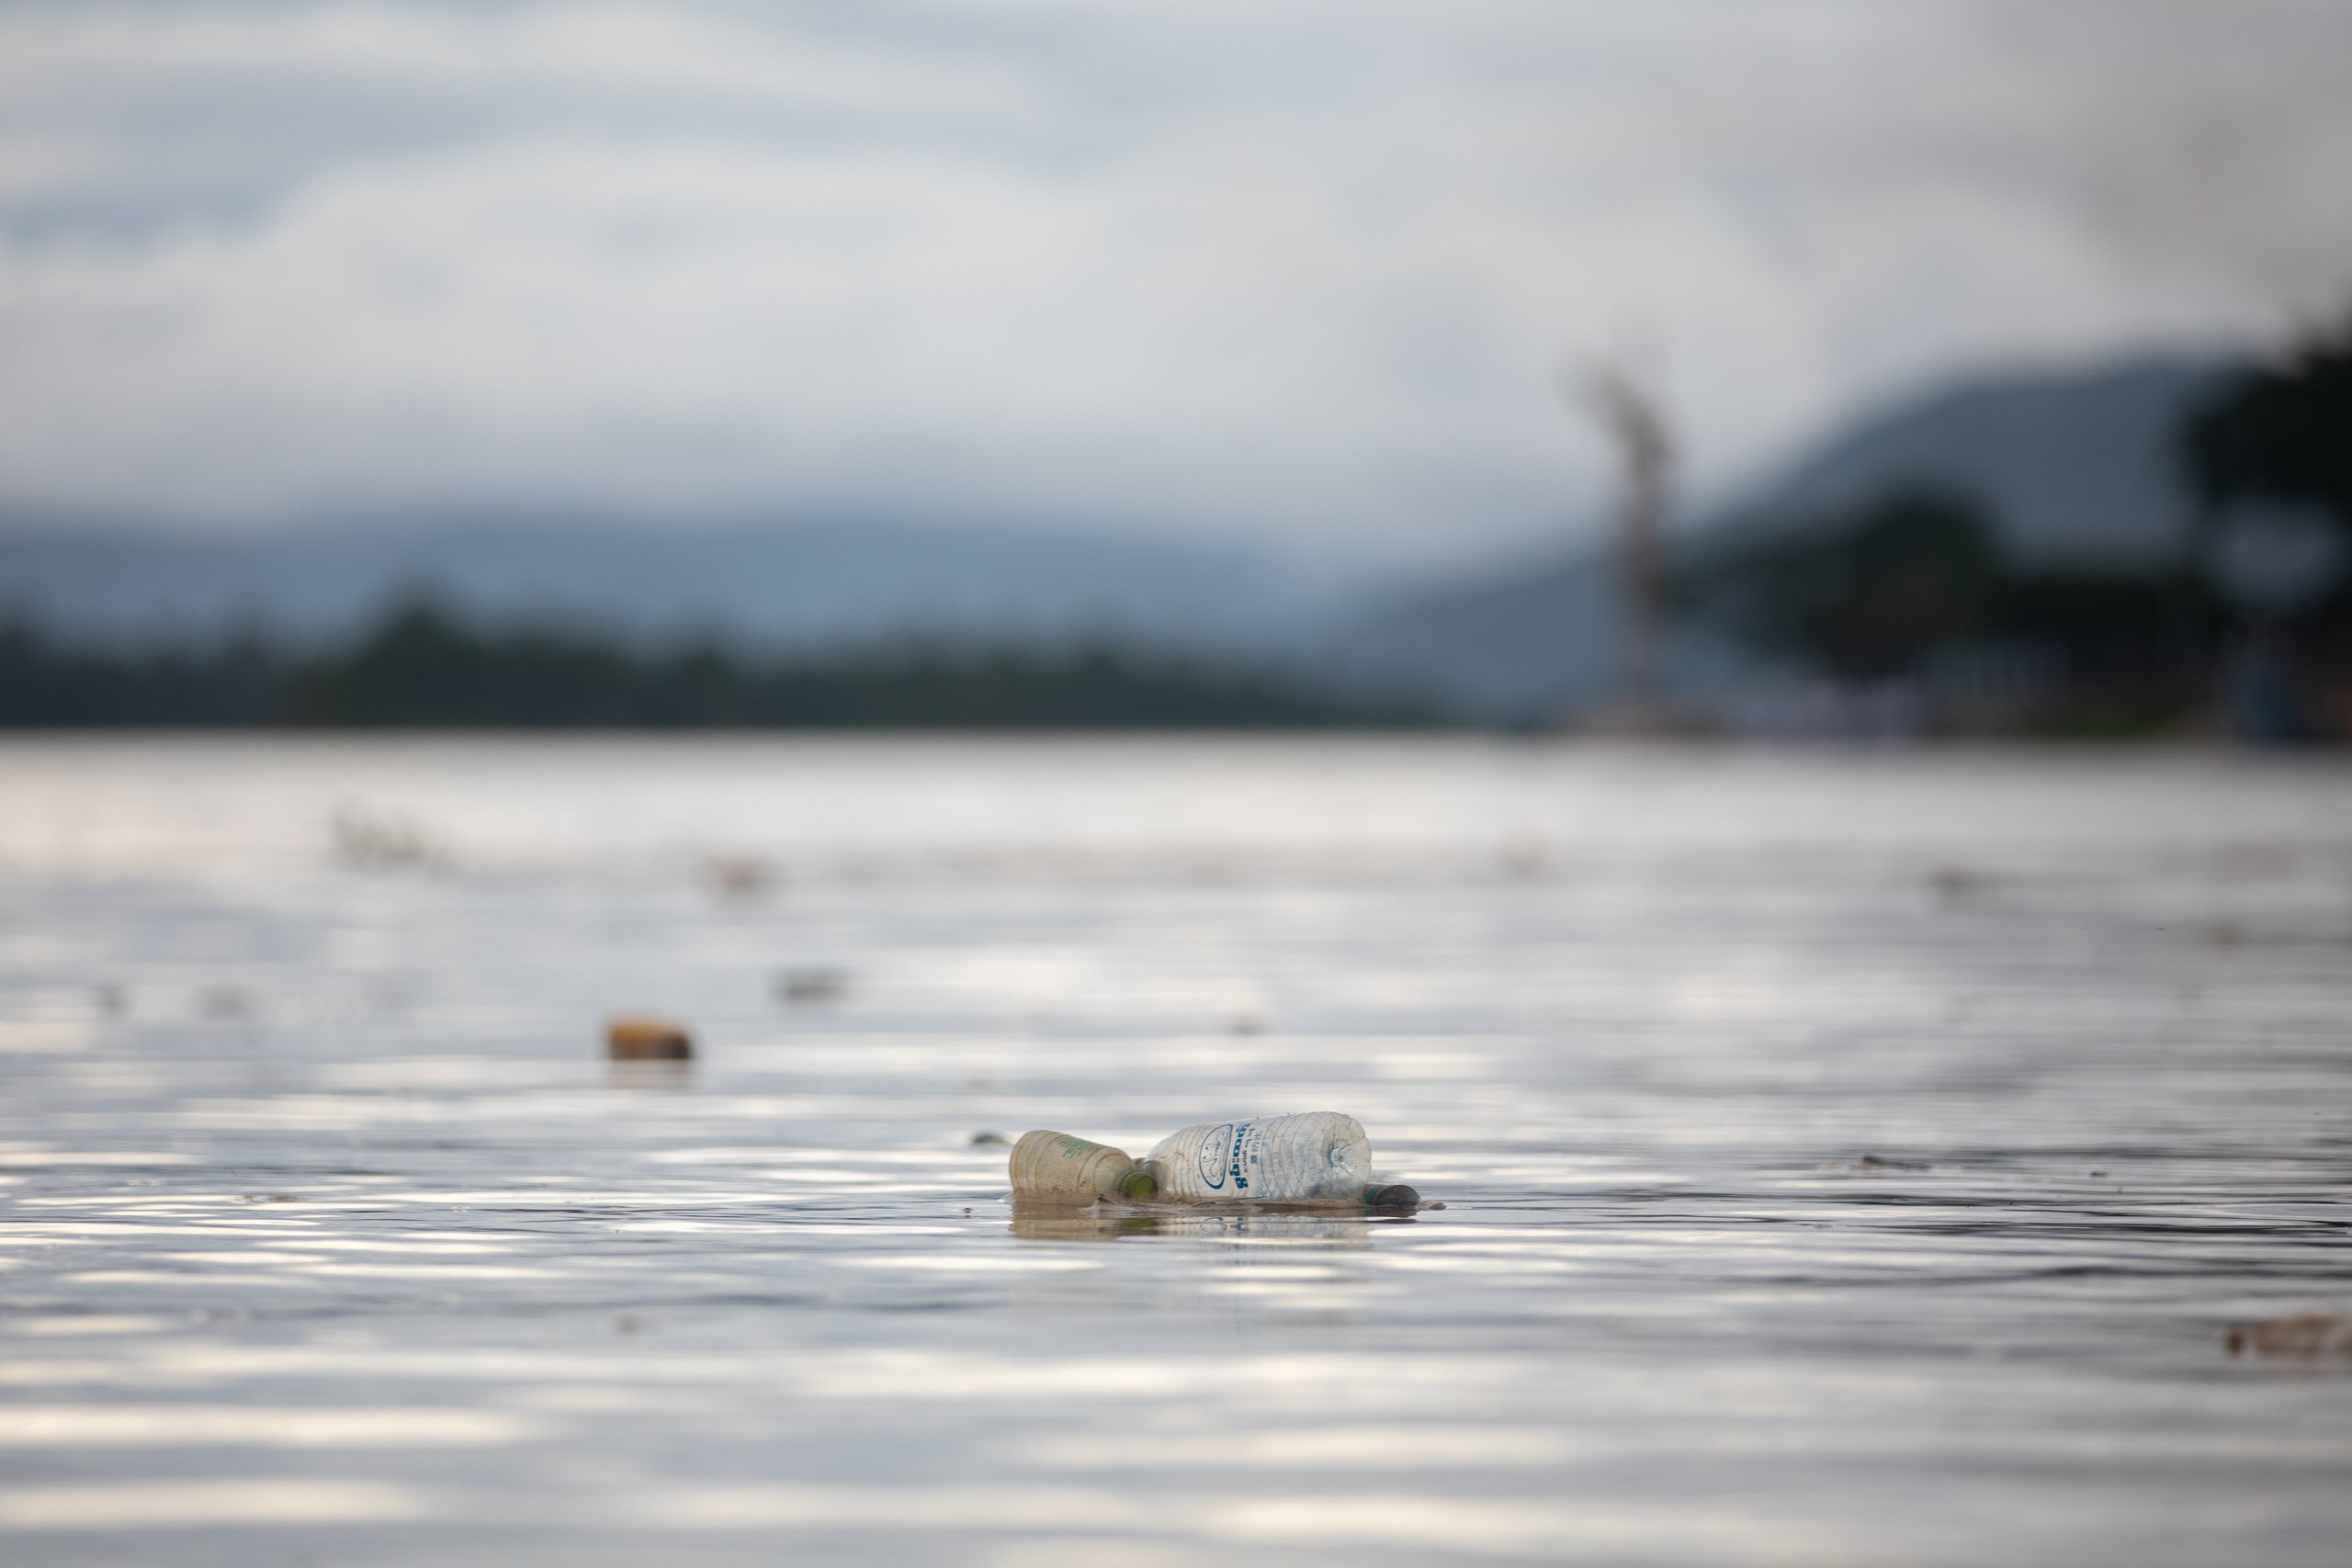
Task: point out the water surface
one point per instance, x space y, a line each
1846 1159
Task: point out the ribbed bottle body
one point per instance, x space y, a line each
1315 1156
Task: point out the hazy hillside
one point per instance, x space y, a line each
1517 646
2074 465
1514 646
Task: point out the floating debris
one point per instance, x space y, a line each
371 840
738 876
816 983
985 1140
2307 1335
1319 1159
1953 881
647 1040
225 1001
1313 1157
1871 1164
1056 1167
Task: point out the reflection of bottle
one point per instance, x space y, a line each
1058 1168
1319 1156
1037 1218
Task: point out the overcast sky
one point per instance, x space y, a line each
1306 270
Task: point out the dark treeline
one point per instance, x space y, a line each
1917 587
1914 587
424 666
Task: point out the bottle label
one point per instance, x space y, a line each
1216 1149
1248 1157
1312 1158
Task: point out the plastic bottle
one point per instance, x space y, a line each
1056 1167
1316 1157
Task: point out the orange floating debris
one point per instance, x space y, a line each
648 1040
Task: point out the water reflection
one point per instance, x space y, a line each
652 1075
1107 1221
1060 1222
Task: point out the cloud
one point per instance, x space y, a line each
1312 269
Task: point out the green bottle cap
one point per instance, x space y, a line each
1139 1184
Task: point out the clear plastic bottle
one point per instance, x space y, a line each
1315 1156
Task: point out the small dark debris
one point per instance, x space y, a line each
737 876
1952 882
1879 1162
225 1001
370 840
989 1140
811 984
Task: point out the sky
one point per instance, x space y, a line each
1313 272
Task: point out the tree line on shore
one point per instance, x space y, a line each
1894 588
424 665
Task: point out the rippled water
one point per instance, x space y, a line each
330 1239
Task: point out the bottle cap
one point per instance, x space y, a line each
1397 1196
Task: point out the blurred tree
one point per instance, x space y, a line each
1866 597
1915 586
422 664
2282 434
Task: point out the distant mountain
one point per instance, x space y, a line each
1513 646
779 584
2074 465
1520 647
2070 466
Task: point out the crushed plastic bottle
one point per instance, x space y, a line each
1316 1157
1056 1167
